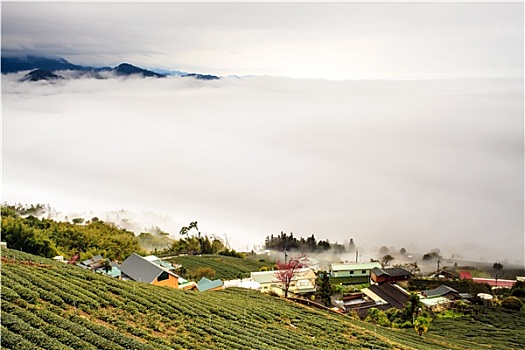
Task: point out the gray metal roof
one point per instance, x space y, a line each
139 269
391 271
439 291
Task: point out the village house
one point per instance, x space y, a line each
394 274
357 273
302 283
439 297
137 268
206 284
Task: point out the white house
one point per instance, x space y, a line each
303 282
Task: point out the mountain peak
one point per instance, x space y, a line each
40 74
126 69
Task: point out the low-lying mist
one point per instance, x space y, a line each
419 164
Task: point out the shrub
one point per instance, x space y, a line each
512 303
207 272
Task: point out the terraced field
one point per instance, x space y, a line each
226 267
48 305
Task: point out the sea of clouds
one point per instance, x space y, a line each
419 164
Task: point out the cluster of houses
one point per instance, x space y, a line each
387 289
149 269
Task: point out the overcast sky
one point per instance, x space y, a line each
306 40
426 152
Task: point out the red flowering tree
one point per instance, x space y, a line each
286 271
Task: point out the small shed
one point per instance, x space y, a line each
394 274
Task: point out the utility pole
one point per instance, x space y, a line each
356 255
438 265
285 255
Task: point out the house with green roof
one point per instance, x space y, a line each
356 273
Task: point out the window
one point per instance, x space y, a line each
163 276
351 272
363 272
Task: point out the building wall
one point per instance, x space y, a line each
172 281
351 273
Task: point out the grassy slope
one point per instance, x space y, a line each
226 267
47 305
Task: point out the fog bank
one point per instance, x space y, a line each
419 164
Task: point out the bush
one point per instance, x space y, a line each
512 303
207 272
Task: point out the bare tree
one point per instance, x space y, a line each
288 270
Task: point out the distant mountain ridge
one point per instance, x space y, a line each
128 69
40 74
13 64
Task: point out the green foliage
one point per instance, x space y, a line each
377 316
46 237
421 325
412 307
226 267
494 328
204 271
284 242
22 235
233 253
325 289
518 290
497 266
512 303
103 313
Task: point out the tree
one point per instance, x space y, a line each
351 245
185 229
512 303
497 266
421 325
412 307
106 266
286 271
385 260
205 271
402 251
383 250
434 254
325 290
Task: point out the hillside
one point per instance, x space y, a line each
48 305
226 267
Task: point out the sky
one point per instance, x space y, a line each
397 124
300 40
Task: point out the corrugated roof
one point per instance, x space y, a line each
439 291
391 272
390 294
206 284
140 269
354 267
